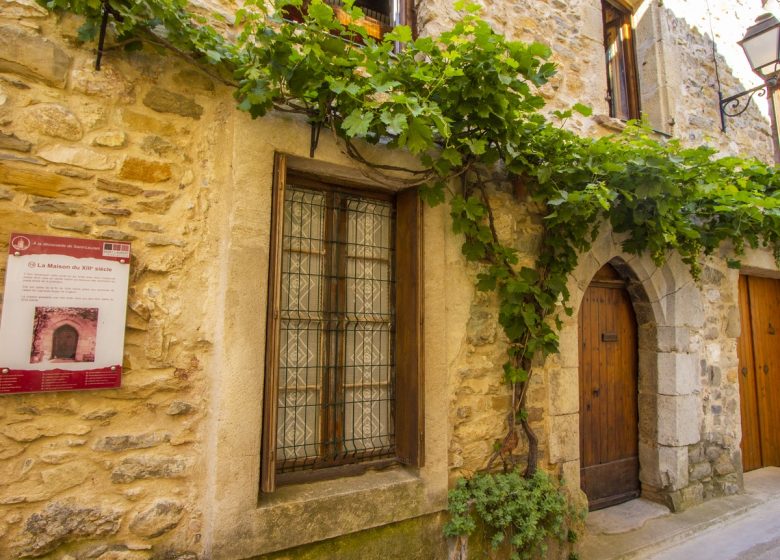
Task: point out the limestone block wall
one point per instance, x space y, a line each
714 463
481 400
151 151
119 154
676 63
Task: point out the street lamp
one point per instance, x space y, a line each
761 44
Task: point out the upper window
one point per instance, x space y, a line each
622 81
342 381
380 15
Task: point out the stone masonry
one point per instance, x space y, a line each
152 151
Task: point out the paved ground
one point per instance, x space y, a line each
744 527
753 536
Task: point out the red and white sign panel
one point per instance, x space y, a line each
63 321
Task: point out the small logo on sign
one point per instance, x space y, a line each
116 250
20 243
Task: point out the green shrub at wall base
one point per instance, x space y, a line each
517 515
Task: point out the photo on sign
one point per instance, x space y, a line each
64 334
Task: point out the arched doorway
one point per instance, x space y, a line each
609 439
65 340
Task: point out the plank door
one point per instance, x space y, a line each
609 431
759 367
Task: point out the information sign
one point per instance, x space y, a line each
63 319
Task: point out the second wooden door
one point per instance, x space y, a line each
608 392
759 371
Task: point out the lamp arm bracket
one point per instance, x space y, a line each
735 105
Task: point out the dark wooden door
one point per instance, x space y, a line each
759 369
609 418
66 339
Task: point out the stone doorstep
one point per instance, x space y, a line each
661 533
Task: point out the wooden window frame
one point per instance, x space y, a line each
627 62
409 386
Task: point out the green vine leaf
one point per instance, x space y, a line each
357 123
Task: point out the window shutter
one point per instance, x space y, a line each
409 324
271 385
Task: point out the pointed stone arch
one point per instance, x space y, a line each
667 305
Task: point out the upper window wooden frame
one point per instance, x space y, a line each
623 94
408 389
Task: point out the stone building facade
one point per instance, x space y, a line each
149 150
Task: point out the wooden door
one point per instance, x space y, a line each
65 342
759 368
609 432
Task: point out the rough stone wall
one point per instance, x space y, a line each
481 400
714 463
687 72
116 154
675 47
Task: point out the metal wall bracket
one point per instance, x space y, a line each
735 105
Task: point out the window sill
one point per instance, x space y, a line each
610 123
300 514
308 492
614 124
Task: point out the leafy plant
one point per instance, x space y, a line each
523 513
